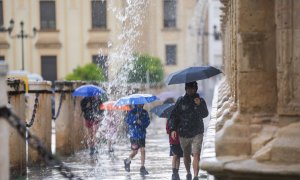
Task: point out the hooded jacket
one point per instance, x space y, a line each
90 106
187 117
135 130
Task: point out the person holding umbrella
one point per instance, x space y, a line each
112 122
93 98
93 116
138 120
187 117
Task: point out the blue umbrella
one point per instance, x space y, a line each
136 99
88 90
164 110
192 74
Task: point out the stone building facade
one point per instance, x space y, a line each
71 33
257 105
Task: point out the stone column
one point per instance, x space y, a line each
286 145
4 127
257 128
17 144
65 121
255 72
42 122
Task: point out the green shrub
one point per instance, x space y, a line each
89 72
144 63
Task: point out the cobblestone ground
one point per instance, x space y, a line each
109 166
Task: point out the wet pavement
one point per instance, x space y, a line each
110 166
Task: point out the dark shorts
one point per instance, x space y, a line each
137 143
175 149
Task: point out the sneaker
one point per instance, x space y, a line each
127 165
143 171
92 150
175 176
111 150
196 178
189 176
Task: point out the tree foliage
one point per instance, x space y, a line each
89 72
144 63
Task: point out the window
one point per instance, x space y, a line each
47 15
170 13
49 68
101 61
1 13
171 54
98 14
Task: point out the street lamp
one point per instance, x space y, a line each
21 35
215 33
9 29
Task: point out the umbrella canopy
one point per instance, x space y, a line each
192 74
164 110
168 95
136 99
88 90
110 106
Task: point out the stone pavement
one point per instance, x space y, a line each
109 166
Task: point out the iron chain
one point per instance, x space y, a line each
36 144
36 102
8 99
62 96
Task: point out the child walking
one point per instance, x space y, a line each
138 120
176 152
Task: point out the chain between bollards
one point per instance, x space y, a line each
36 144
36 102
62 96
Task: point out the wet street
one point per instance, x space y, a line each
109 166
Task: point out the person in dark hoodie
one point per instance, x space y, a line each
90 107
187 117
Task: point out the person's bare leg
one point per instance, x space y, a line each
174 160
133 153
93 132
187 162
91 138
177 162
196 161
109 146
143 155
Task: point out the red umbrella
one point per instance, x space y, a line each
109 105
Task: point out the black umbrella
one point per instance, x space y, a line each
192 74
164 110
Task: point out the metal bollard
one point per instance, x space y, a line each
39 116
17 145
4 127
